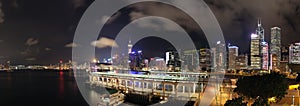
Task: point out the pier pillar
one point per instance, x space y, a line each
106 81
164 89
176 90
153 86
202 87
118 83
173 88
126 82
194 88
90 77
133 82
102 80
143 85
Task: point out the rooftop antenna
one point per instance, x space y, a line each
259 22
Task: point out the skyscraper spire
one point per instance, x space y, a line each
258 22
260 30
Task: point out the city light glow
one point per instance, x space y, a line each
254 35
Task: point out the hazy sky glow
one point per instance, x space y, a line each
41 31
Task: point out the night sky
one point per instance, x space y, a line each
41 31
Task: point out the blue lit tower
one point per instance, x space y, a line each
260 31
136 60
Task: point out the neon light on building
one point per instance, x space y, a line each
265 56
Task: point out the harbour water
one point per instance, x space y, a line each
39 88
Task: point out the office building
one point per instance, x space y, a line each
265 55
241 62
136 60
205 59
157 63
190 60
233 53
294 53
255 56
173 61
219 57
275 48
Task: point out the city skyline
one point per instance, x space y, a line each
35 32
150 52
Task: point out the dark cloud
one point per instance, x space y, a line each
238 18
54 22
30 59
47 49
1 13
78 3
31 41
71 45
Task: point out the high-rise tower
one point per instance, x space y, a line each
260 31
129 46
294 53
265 55
219 56
233 53
275 47
255 56
259 48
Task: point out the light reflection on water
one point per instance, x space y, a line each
39 88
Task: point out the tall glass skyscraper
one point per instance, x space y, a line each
205 59
258 56
233 53
275 46
265 55
255 58
260 31
219 57
294 53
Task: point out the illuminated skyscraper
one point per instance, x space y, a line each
173 61
205 59
241 62
255 56
265 55
233 53
275 46
190 60
256 47
219 57
260 31
294 54
157 63
129 47
136 60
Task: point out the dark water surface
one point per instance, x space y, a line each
39 88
